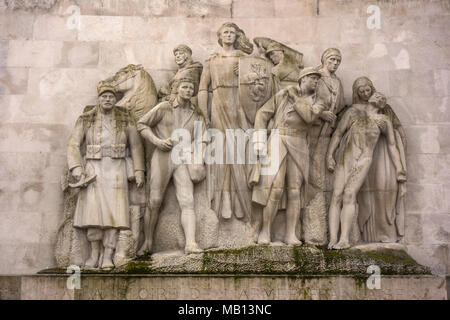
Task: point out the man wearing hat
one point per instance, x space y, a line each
187 68
292 110
285 72
102 206
158 126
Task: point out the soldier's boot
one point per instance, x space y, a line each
92 262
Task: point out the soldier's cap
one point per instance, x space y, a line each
182 47
106 88
308 71
273 46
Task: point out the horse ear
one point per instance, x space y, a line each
139 66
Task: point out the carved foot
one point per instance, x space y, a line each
331 244
192 248
107 261
144 249
341 245
292 241
263 238
91 263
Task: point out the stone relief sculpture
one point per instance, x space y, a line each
287 62
228 188
293 109
187 68
291 115
360 129
103 206
331 92
158 126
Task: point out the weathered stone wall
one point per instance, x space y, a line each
51 59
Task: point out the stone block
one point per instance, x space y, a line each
40 196
428 168
421 110
328 31
96 287
3 53
100 28
13 81
65 82
26 137
16 26
421 55
253 8
434 256
79 55
24 256
442 82
51 27
427 139
413 229
411 83
10 287
34 53
20 227
291 9
436 229
425 198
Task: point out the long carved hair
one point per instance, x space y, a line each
361 82
242 42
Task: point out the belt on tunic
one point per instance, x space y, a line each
97 152
291 132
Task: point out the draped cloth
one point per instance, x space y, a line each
228 186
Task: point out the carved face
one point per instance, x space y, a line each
107 100
378 100
276 56
228 35
332 63
181 57
310 82
364 92
186 90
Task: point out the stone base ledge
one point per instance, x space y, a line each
221 287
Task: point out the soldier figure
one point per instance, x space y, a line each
292 110
103 206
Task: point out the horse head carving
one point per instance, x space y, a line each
138 89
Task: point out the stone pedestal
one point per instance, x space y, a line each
229 287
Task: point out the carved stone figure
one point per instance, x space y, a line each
360 130
292 110
102 206
138 95
187 68
228 189
330 91
287 62
158 126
